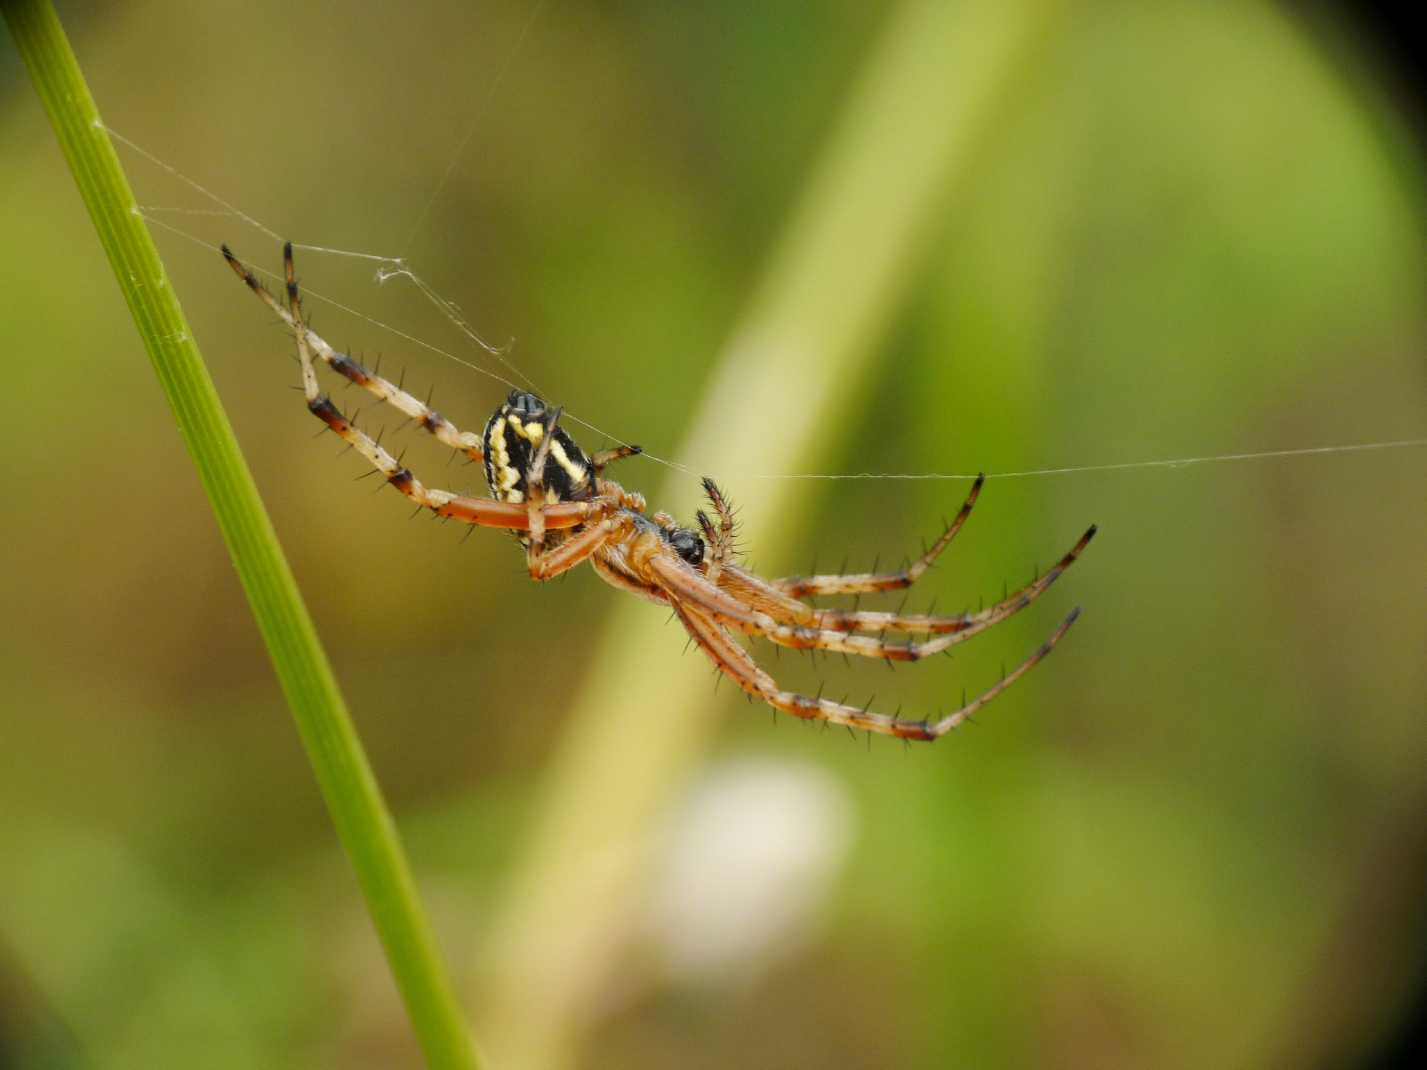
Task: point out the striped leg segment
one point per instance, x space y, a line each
466 442
732 660
484 512
870 582
761 617
750 589
602 458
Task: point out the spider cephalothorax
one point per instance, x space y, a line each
553 496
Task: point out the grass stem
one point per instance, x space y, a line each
353 797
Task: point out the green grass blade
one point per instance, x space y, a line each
353 798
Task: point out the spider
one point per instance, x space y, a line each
556 500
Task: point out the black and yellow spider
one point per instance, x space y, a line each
554 497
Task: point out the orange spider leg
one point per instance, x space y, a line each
601 459
733 661
870 582
762 618
683 583
755 591
535 488
577 548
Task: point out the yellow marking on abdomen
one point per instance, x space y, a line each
574 469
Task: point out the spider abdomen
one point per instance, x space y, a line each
511 437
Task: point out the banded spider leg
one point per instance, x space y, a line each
482 512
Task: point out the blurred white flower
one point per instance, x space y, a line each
753 854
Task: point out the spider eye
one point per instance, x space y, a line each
687 545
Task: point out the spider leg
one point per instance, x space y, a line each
868 582
602 458
682 583
719 537
735 662
761 618
466 442
484 512
535 489
547 564
753 590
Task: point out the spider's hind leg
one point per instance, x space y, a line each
465 442
869 582
482 512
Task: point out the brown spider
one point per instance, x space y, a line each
553 496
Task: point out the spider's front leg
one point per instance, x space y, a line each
607 523
719 537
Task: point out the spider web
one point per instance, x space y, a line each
389 267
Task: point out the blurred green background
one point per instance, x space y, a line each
1192 837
